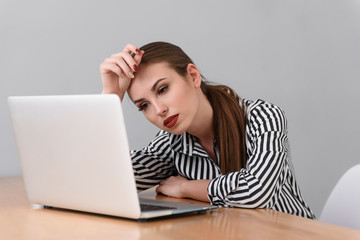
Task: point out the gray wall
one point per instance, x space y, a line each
301 55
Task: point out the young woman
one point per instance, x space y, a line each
213 146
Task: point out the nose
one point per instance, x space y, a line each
160 108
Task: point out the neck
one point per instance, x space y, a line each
203 128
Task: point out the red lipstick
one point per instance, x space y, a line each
171 121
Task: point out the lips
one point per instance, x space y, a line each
171 121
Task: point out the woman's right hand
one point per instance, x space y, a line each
118 70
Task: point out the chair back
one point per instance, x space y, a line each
342 207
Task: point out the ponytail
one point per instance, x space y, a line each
229 126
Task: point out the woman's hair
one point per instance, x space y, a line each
229 116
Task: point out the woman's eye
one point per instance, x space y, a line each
143 106
162 90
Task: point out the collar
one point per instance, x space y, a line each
187 144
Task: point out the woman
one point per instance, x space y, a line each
213 146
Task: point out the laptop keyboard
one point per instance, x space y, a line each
148 207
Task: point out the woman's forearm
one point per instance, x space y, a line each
196 189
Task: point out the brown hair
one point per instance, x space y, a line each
229 116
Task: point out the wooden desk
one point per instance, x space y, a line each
19 221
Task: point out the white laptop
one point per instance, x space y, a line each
74 155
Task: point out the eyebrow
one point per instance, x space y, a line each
152 89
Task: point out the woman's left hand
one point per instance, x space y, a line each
180 187
172 187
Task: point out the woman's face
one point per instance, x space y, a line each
167 99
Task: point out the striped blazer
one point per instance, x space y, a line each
268 181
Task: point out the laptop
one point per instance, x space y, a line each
74 154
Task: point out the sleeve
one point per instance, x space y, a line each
257 185
154 163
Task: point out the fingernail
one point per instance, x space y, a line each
131 75
137 50
135 68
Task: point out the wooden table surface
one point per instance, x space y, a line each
18 220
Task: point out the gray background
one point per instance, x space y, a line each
301 55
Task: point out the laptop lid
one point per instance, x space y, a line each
74 154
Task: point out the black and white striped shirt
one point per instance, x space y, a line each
268 181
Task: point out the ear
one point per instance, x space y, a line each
194 75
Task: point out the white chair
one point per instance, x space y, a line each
343 205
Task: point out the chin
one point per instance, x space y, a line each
174 131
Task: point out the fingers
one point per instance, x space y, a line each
119 63
130 48
127 64
137 57
157 190
107 67
137 54
161 185
118 70
162 190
